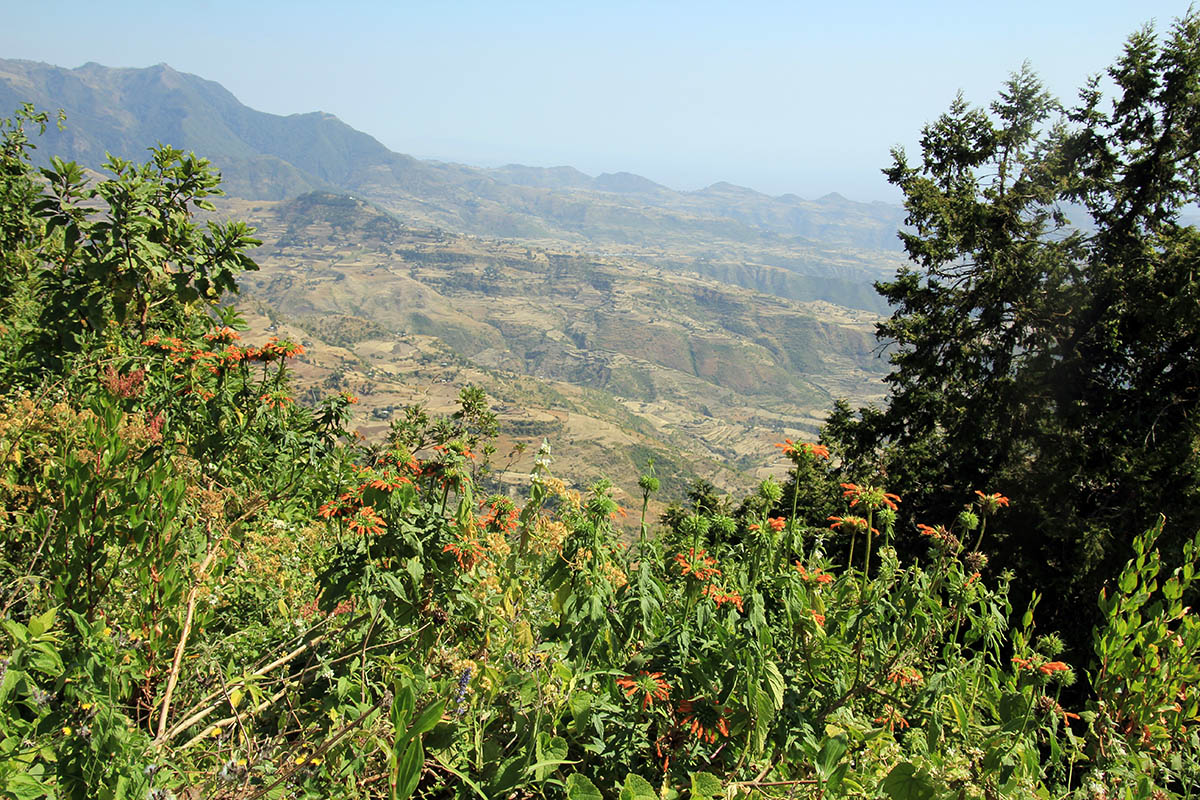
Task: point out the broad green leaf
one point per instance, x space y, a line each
41 624
408 771
706 785
637 788
26 787
402 708
551 752
831 753
775 684
579 787
906 782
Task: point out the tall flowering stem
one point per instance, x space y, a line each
802 452
873 498
988 504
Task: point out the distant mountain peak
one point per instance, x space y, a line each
725 187
626 183
833 197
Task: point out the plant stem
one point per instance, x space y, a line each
979 539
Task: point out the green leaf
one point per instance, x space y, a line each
551 752
26 787
579 787
906 782
637 788
402 708
960 713
775 684
427 720
408 771
831 753
706 785
39 625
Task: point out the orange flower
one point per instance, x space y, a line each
938 532
906 676
790 448
872 497
704 719
777 523
851 524
223 334
466 553
1050 667
367 522
697 564
276 399
650 684
820 618
720 597
990 503
818 576
389 482
893 719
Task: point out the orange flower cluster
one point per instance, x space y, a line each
818 576
703 568
873 497
273 350
224 334
650 684
811 450
818 617
893 719
355 507
481 540
721 597
704 719
467 552
276 399
1046 668
502 514
938 533
698 564
366 522
906 676
777 523
454 447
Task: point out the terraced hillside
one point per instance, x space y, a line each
614 359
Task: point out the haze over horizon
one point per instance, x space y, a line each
777 97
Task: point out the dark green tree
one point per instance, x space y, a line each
1047 333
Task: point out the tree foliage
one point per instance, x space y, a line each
1046 336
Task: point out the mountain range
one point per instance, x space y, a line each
631 320
830 249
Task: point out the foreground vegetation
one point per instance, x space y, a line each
210 590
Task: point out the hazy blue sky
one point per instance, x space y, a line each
783 97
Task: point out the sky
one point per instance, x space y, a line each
799 97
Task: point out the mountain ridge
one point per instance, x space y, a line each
266 156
